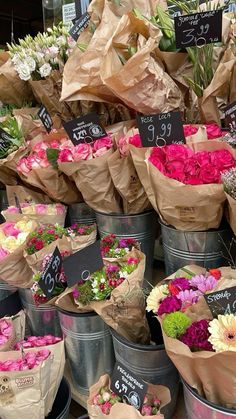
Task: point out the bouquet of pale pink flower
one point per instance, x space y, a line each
41 213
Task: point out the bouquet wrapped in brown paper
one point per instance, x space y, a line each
133 73
159 395
125 177
116 294
229 182
39 168
202 348
186 190
12 329
13 90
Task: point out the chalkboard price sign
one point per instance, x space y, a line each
45 118
127 385
5 141
50 277
160 130
222 302
230 116
85 129
79 26
198 29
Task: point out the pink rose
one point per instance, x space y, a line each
159 153
191 167
157 163
203 157
13 210
135 140
10 230
146 410
193 181
41 146
54 144
177 152
65 155
214 131
222 159
23 166
175 170
105 142
100 152
33 162
189 130
106 407
41 208
44 163
60 209
123 147
82 152
209 174
3 253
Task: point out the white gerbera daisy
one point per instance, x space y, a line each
223 333
155 297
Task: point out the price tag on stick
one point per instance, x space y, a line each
83 263
17 203
5 141
198 29
161 129
230 116
222 302
50 277
79 26
85 129
45 118
127 385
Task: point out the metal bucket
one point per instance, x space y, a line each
6 290
141 227
199 408
89 348
61 405
81 214
204 248
43 319
3 203
151 363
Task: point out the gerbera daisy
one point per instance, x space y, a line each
223 333
155 297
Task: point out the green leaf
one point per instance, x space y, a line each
52 156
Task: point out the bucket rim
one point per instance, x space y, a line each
71 314
207 402
221 229
66 407
117 215
138 346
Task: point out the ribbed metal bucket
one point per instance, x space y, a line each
3 203
6 290
82 214
151 363
89 348
61 405
42 319
199 408
204 248
141 227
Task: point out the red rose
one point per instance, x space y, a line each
222 159
39 245
191 167
203 157
177 152
209 174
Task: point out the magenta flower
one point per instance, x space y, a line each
196 336
178 284
146 410
203 283
169 305
76 293
122 243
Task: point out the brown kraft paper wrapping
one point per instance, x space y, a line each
122 410
211 374
41 219
25 194
150 89
93 179
18 324
231 212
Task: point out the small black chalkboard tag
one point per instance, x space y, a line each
81 264
17 202
45 118
230 116
127 385
11 305
222 302
198 29
5 140
161 129
79 25
50 277
85 129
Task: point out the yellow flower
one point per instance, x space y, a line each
29 210
24 225
10 244
223 333
155 297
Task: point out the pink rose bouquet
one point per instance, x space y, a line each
41 213
28 362
36 342
84 151
6 334
229 182
213 131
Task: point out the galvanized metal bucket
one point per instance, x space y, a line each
81 214
6 290
141 227
89 348
3 204
204 248
151 363
61 405
42 319
199 408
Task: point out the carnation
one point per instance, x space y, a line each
169 305
45 70
178 284
175 324
203 283
196 336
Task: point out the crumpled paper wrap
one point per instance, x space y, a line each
231 212
211 374
122 410
26 194
13 90
141 82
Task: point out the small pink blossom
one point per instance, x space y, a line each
65 156
41 208
10 230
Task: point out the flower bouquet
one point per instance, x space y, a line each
13 267
40 169
114 249
229 182
124 175
115 294
12 329
41 213
183 183
103 403
203 132
201 348
87 164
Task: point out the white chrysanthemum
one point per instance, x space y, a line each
45 70
223 333
155 297
24 71
31 63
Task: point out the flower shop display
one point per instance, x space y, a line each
104 403
179 179
213 131
202 348
13 267
41 213
229 183
114 249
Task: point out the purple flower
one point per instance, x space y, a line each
169 305
76 293
188 296
203 283
112 268
196 336
178 284
122 243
